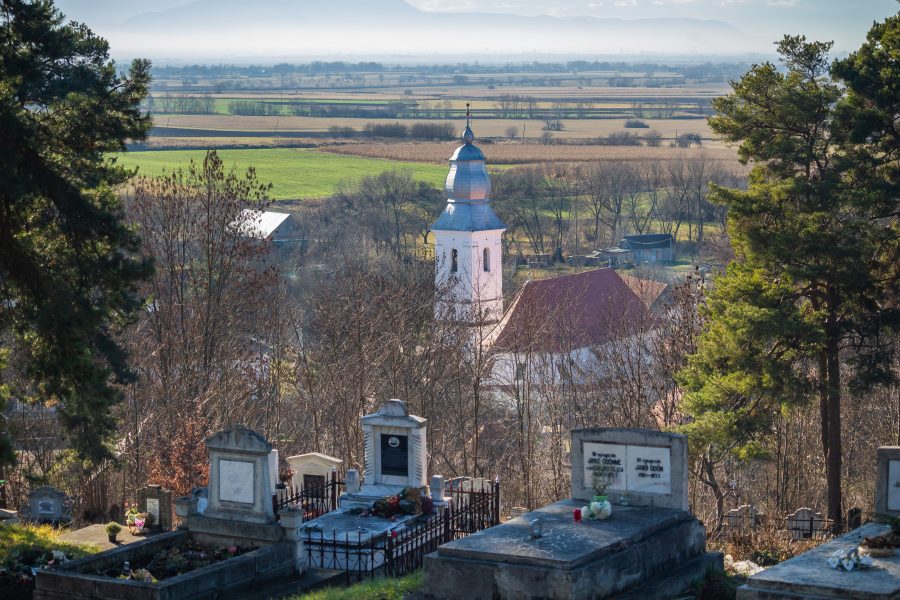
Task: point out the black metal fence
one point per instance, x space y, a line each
315 500
474 505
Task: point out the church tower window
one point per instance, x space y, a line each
486 260
454 261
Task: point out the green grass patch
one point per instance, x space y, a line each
295 173
29 542
377 589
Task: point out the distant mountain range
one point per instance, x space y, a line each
225 29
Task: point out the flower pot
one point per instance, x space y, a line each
112 538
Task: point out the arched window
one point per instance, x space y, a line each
454 262
486 260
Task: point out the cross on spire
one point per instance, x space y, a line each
468 115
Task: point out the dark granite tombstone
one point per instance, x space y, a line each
854 518
394 455
157 501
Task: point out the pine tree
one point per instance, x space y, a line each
809 292
68 263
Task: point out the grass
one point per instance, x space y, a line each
24 541
295 173
377 589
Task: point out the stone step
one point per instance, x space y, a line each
676 582
313 579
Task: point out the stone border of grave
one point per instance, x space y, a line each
75 581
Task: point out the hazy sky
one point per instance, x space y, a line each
843 21
288 29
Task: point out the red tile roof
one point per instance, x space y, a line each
569 312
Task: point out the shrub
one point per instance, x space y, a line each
388 130
653 138
432 131
636 124
113 528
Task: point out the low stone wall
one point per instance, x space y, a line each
75 581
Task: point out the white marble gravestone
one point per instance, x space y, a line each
395 445
240 485
649 468
313 469
887 483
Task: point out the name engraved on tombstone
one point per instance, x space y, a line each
153 509
46 507
394 455
649 469
893 487
611 456
236 481
637 468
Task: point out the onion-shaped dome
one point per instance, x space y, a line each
468 189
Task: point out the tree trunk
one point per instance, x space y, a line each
833 453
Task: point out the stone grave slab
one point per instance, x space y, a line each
591 559
808 575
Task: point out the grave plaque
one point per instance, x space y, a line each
236 481
887 483
893 491
153 509
394 455
650 467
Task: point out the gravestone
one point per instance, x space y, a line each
395 454
157 501
854 518
312 470
240 491
887 483
273 468
47 504
650 467
650 549
805 523
742 520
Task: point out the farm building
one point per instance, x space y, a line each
649 247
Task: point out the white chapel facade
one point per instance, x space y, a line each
467 242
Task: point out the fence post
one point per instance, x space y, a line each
333 489
447 533
496 501
388 556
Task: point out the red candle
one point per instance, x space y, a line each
577 514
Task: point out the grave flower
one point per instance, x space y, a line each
848 560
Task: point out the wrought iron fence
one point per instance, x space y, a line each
315 500
474 505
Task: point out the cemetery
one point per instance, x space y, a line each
626 531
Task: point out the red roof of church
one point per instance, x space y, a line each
569 312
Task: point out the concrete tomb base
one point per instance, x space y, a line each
809 577
652 550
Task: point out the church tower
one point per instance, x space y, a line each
467 249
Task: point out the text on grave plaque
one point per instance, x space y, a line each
644 469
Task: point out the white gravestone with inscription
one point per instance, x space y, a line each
887 483
153 509
649 468
236 481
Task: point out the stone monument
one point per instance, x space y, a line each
312 470
809 576
650 548
240 490
47 504
395 455
157 501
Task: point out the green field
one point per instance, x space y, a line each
295 173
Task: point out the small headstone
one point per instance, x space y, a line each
805 523
887 483
742 520
437 488
157 501
313 469
649 468
47 504
854 518
273 468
